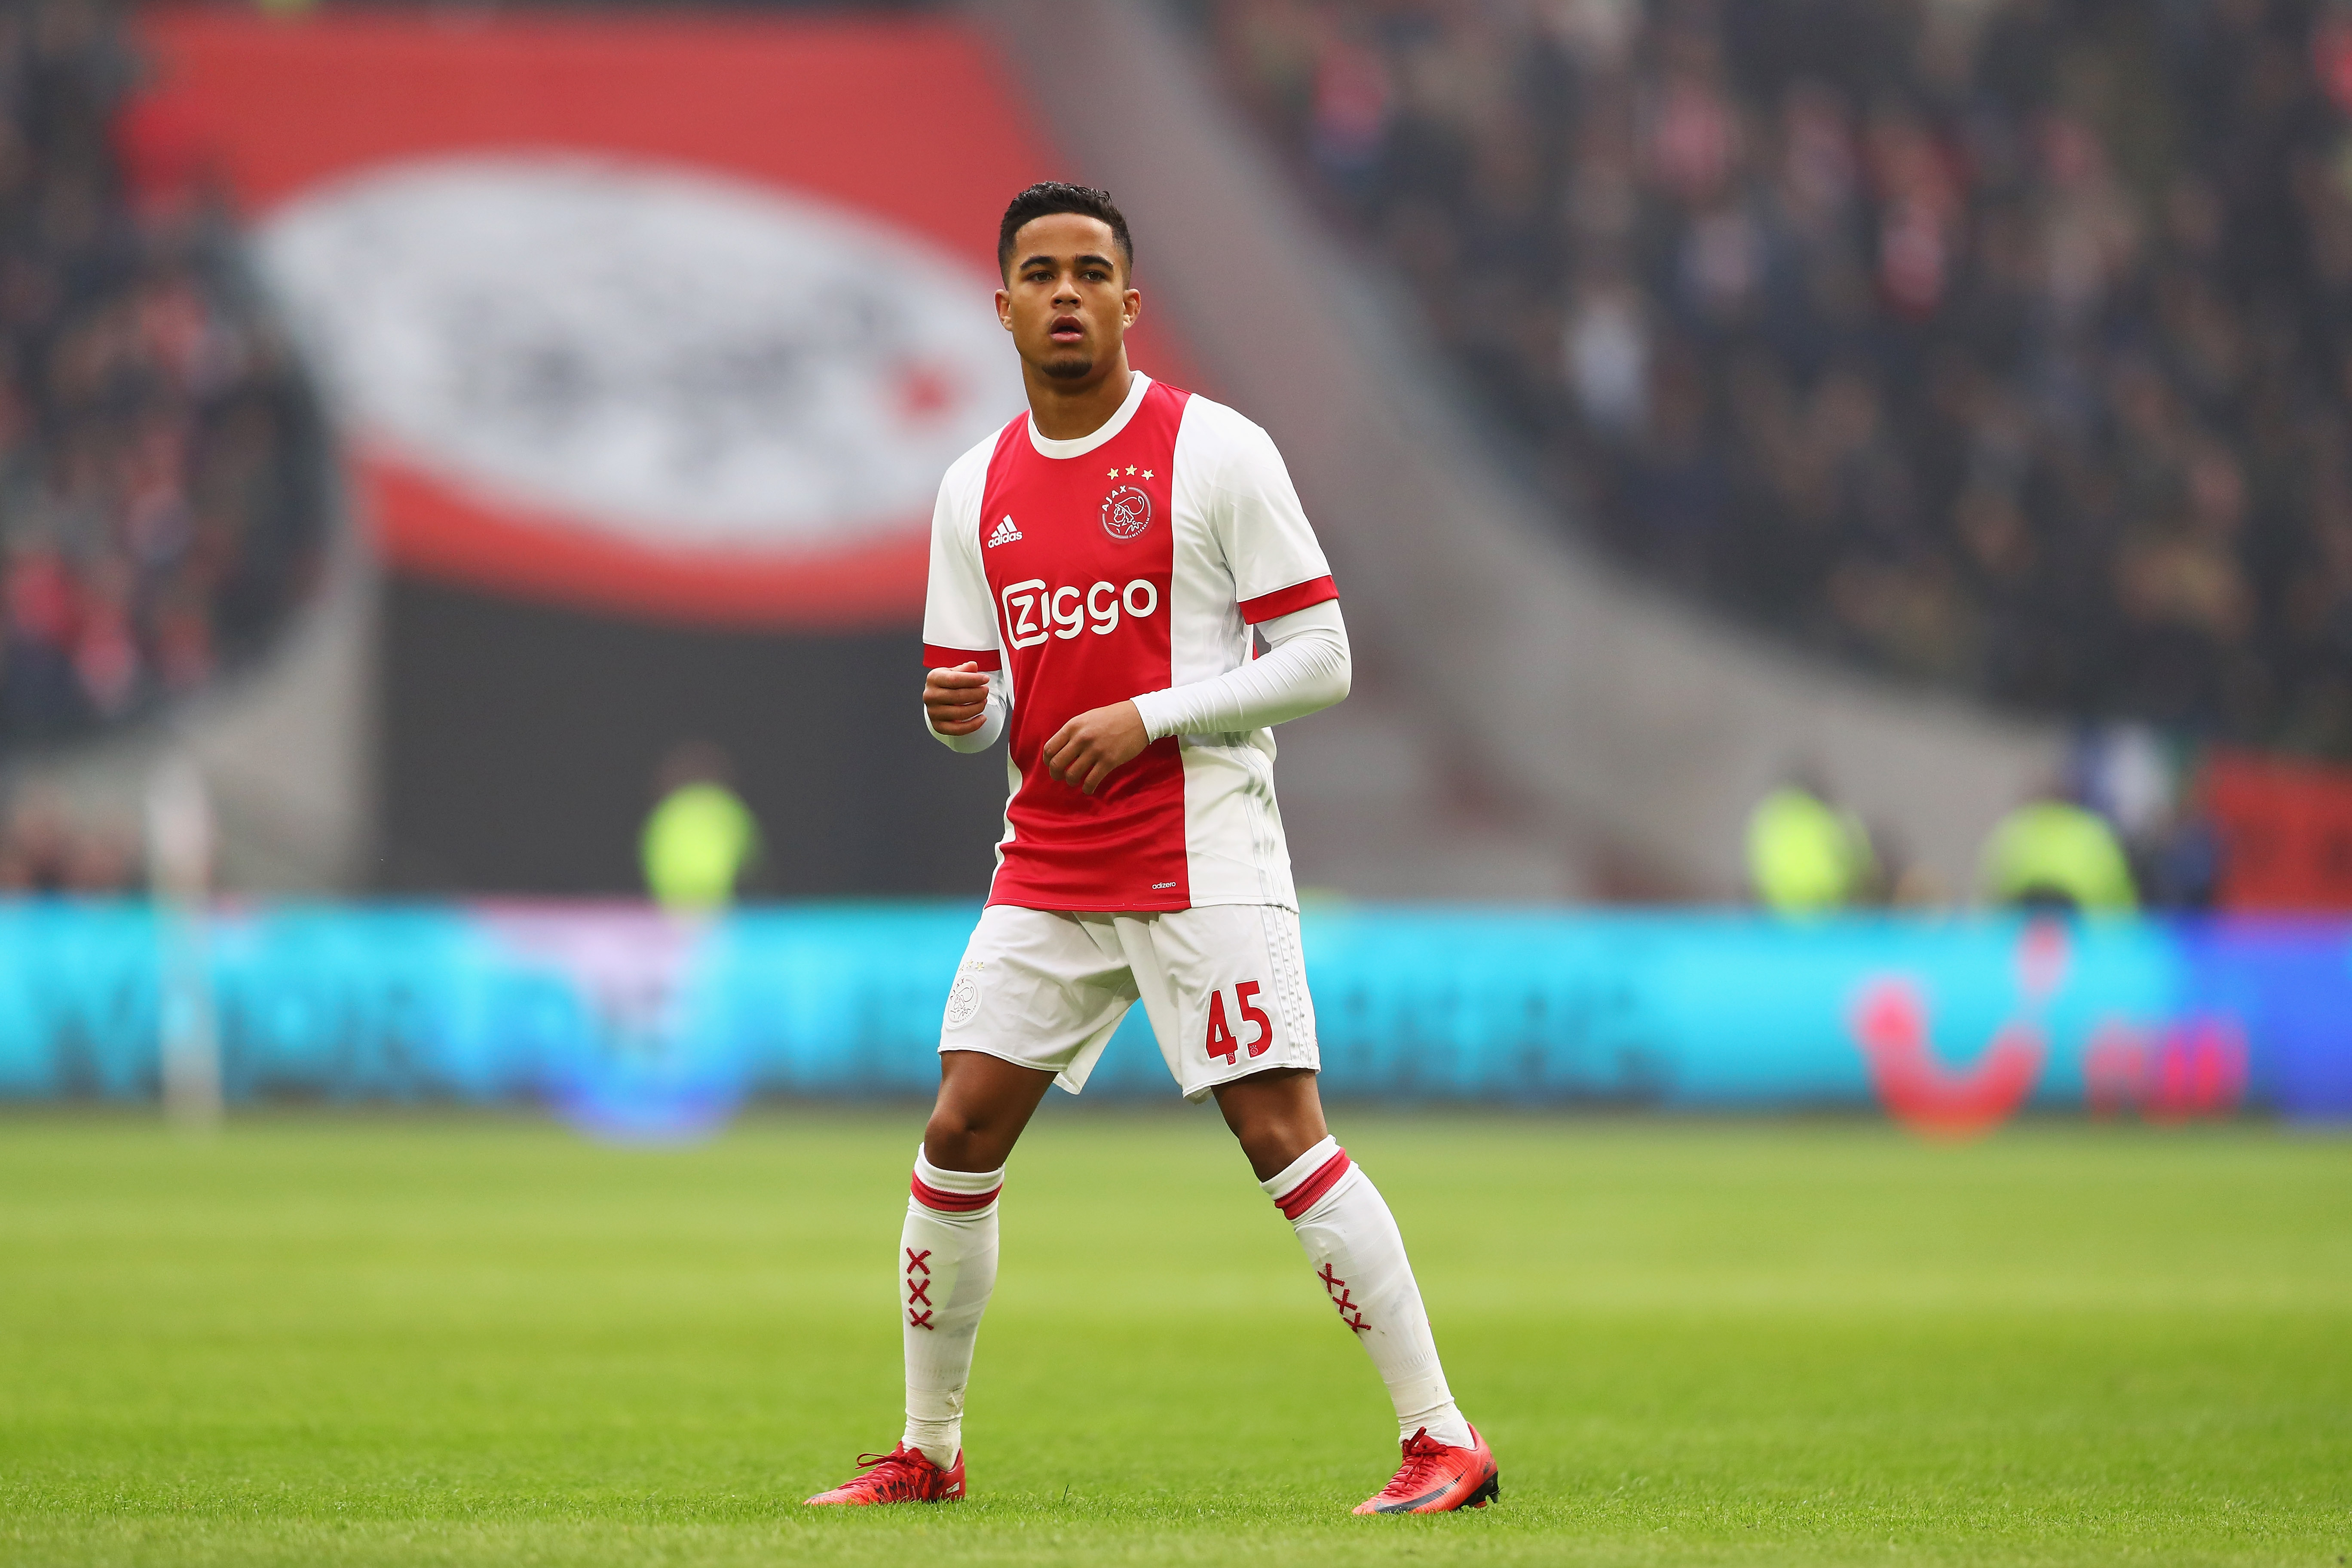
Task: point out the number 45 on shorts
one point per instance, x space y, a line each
1223 1043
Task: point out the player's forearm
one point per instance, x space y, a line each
991 725
1305 669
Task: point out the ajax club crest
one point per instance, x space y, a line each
1126 512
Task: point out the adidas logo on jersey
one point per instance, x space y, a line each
1005 534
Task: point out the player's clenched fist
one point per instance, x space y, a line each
956 699
1092 746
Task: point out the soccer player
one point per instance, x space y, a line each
1097 567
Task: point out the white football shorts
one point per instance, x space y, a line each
1224 987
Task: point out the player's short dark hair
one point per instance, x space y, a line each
1047 197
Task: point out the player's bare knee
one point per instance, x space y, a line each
1275 1117
963 1135
954 1143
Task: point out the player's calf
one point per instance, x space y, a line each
1358 1258
947 1270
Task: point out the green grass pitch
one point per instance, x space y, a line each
447 1339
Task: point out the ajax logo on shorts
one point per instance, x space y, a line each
1126 512
1034 613
963 996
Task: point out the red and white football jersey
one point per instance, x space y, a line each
1092 571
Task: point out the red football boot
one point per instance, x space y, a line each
1435 1478
902 1475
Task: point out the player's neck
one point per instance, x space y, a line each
1067 411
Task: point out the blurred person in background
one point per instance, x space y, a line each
2055 854
701 840
1806 856
37 852
2179 865
46 850
2143 784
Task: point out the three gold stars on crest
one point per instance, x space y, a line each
1130 468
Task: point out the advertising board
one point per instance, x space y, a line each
628 1018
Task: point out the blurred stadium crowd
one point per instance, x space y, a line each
2004 343
162 464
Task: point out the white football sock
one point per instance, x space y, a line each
1358 1257
947 1270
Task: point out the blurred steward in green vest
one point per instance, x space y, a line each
1805 854
2051 853
701 838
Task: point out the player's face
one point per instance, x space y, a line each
1066 299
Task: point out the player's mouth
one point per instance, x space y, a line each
1067 330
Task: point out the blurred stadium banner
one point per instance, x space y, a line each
1951 1024
674 317
2287 830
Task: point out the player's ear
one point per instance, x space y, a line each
1004 309
1130 305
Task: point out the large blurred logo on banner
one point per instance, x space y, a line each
636 380
680 318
